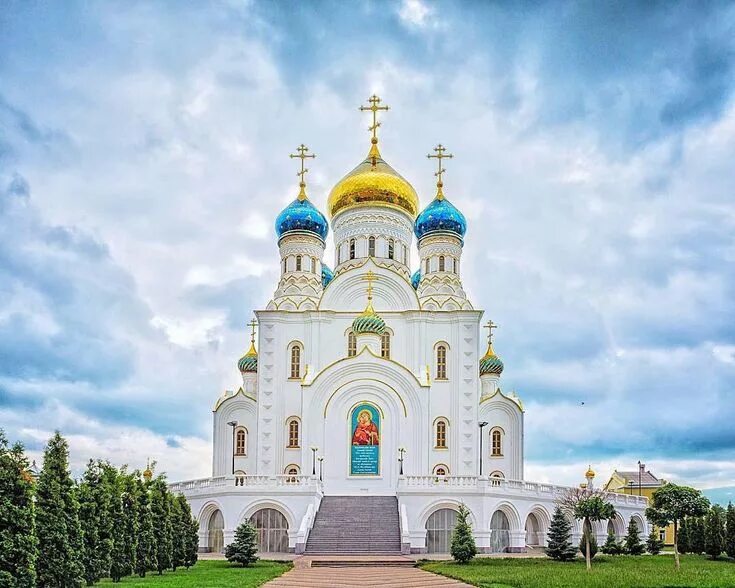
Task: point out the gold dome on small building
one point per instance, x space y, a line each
590 473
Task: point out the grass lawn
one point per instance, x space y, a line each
209 574
607 572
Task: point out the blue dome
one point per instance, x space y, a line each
301 215
415 279
440 215
327 275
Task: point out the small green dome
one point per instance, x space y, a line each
490 363
368 323
249 361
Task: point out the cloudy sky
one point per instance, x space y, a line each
144 155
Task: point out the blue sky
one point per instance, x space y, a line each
143 158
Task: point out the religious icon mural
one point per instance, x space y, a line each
365 443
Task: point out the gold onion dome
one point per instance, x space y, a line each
590 473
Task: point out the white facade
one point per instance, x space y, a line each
284 438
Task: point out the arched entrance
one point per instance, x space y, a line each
499 532
533 531
272 530
439 527
216 532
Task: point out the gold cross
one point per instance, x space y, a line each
302 150
440 154
253 323
370 276
374 108
490 326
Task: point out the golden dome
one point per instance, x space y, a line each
590 473
373 183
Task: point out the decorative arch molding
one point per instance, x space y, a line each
542 516
252 508
642 527
449 503
510 511
619 525
206 512
229 406
246 401
391 290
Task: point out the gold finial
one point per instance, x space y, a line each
302 150
374 108
490 325
253 323
440 149
369 277
148 473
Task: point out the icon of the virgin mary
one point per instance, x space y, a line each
366 431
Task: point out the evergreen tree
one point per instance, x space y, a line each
559 544
245 546
633 543
129 521
93 516
611 546
108 476
592 508
684 540
189 530
59 532
588 536
696 535
118 567
730 531
161 513
654 545
145 556
178 538
714 536
18 546
463 547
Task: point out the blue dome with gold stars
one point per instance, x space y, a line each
301 215
440 215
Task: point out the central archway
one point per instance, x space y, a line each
272 529
439 527
216 532
499 532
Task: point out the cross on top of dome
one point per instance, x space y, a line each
302 155
440 149
374 107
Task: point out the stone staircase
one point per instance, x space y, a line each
352 525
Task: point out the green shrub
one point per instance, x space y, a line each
245 546
463 547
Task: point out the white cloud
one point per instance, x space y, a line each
415 13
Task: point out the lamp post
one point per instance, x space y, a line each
314 449
321 468
630 485
482 425
639 477
401 451
233 424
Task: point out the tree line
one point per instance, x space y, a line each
58 532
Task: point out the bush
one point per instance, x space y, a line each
593 544
654 545
559 545
245 546
463 547
612 546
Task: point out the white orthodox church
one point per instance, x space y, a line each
372 407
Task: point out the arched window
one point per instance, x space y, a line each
497 474
284 265
352 249
391 248
298 263
351 344
441 263
441 362
293 433
313 265
241 441
292 471
385 345
371 246
272 529
441 470
439 527
441 434
339 254
427 266
496 442
295 371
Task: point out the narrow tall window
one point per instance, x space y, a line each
441 362
405 254
352 249
298 263
454 266
496 442
284 265
241 441
441 263
427 266
339 254
313 265
293 433
351 344
295 362
441 434
385 345
371 246
391 248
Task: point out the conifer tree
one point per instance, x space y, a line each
696 535
145 555
108 476
18 546
463 547
714 536
633 543
93 516
588 535
129 521
559 544
118 566
189 530
654 545
59 532
244 548
730 531
684 540
161 513
611 545
178 538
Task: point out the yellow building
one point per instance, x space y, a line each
639 482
